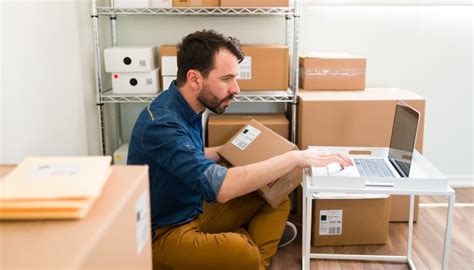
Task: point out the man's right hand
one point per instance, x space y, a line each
309 158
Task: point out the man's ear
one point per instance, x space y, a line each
194 79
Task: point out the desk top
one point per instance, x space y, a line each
425 178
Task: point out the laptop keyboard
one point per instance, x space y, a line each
371 167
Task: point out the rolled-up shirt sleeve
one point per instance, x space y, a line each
169 144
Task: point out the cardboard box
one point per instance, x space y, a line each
195 3
136 82
115 233
254 3
265 67
332 72
356 118
130 59
363 221
255 143
220 128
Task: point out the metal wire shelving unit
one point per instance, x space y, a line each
105 96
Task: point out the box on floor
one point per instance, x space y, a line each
220 128
339 220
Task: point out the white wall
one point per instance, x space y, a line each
50 109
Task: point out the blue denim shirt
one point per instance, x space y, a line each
168 138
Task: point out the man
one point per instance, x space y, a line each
205 216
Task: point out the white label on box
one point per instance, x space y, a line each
246 137
62 169
245 69
143 230
330 222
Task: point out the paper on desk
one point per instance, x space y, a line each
56 178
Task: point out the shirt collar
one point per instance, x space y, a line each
189 114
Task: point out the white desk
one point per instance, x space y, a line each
424 179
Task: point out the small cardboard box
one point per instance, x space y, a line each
332 72
130 59
255 143
220 128
357 118
254 3
196 3
115 234
339 220
265 67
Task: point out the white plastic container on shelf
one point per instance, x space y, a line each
135 82
130 59
121 155
166 81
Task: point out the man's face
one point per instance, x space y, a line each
220 86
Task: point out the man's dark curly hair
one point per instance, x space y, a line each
197 51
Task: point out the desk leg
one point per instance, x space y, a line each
410 227
447 234
307 230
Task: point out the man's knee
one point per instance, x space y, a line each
245 254
285 205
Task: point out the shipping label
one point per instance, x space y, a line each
246 137
330 222
245 69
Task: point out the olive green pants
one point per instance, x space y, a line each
242 233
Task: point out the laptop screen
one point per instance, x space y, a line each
402 144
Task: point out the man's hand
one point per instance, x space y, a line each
308 158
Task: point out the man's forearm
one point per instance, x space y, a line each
211 153
245 179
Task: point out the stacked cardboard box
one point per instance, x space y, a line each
220 128
254 3
332 71
195 3
265 67
356 118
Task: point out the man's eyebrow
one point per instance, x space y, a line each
229 76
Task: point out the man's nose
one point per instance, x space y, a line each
235 89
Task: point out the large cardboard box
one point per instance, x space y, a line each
350 221
195 3
254 3
356 118
255 143
326 71
115 233
220 128
265 67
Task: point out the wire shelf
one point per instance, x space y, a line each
245 96
280 11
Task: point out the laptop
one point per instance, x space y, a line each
380 171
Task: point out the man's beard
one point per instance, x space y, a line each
211 102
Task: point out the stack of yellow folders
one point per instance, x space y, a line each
53 187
